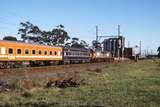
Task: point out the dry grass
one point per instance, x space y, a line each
117 85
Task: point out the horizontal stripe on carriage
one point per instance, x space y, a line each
13 57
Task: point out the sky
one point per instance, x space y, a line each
139 19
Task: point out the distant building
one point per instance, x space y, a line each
115 46
128 53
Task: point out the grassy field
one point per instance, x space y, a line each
115 85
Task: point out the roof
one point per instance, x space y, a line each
20 42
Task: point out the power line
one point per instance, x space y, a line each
6 23
128 44
102 36
14 14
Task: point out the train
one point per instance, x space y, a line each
14 53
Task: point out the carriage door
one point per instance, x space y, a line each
3 52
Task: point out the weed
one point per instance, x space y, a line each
26 94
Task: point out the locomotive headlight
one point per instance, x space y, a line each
98 54
107 54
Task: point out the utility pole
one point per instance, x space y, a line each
118 30
151 52
118 43
140 48
147 52
97 33
121 49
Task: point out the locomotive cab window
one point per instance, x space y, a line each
33 52
10 51
19 51
26 51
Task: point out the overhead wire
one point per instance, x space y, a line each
5 23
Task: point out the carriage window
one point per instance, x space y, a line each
69 53
10 50
34 52
50 52
39 52
55 53
19 51
45 52
27 51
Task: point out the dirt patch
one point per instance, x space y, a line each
97 70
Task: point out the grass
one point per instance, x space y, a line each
117 85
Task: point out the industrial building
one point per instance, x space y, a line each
115 46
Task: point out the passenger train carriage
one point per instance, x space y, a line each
11 52
76 55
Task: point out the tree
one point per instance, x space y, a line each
47 37
76 43
68 44
158 50
11 38
28 31
36 34
58 36
84 44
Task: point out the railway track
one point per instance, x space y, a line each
47 71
